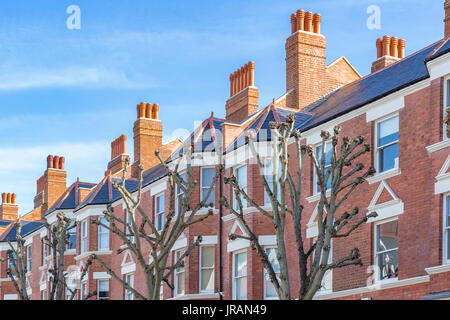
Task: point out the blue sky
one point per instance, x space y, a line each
71 92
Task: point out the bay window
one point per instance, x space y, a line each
72 233
29 258
179 196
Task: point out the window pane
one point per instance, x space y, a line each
241 176
387 236
388 131
447 208
388 264
241 289
208 280
180 283
328 154
389 157
207 257
240 266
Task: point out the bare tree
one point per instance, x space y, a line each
342 178
57 243
17 263
154 262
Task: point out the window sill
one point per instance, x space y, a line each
196 296
438 146
87 254
438 269
316 197
384 175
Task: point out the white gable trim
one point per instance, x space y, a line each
238 244
442 184
387 209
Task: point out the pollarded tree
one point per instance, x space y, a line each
335 182
57 245
138 236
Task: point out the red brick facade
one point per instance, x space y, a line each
413 193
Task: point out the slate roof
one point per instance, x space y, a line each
260 125
71 198
206 138
406 72
4 223
28 227
105 193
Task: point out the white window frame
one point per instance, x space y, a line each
44 254
129 279
233 277
213 192
317 146
178 193
201 268
72 231
375 234
83 236
159 214
446 105
244 201
83 290
270 183
446 229
377 147
177 273
29 257
44 294
98 289
264 277
104 233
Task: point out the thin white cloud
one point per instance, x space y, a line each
85 77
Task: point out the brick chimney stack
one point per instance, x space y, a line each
306 73
389 51
147 136
118 155
9 210
244 95
447 19
51 185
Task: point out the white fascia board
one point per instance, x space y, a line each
90 211
243 153
52 217
179 244
439 67
312 230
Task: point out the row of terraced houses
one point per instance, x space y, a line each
399 108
